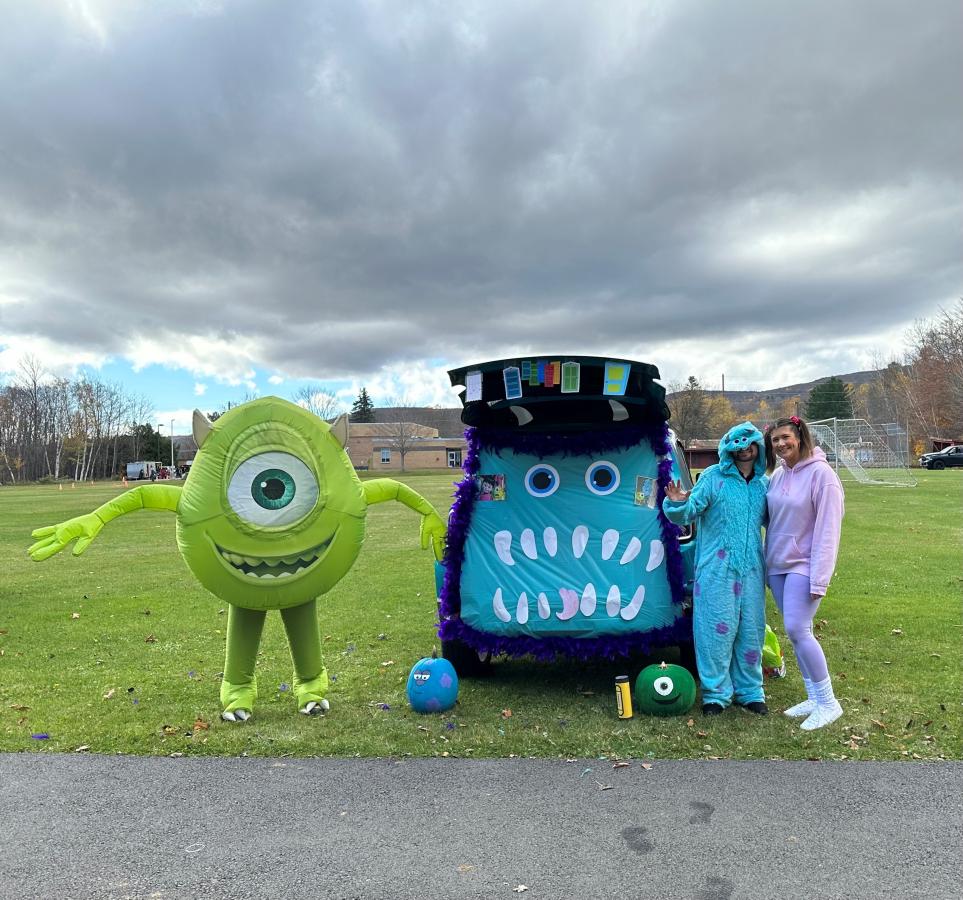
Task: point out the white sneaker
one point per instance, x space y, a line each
800 710
822 715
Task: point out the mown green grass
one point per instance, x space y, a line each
120 650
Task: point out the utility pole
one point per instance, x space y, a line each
723 385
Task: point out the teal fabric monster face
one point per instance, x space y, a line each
566 546
737 438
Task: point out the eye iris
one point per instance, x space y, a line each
273 489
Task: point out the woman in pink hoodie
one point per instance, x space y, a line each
805 501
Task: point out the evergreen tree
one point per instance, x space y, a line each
830 399
363 408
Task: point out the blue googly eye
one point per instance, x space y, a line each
541 480
602 477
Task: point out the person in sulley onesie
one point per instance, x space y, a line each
729 596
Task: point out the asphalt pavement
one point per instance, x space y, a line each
83 826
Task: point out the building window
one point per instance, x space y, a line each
385 455
454 459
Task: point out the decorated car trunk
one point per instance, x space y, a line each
556 540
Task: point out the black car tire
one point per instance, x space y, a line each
938 464
467 662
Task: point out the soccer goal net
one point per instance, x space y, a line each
859 451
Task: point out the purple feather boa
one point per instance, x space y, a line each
451 627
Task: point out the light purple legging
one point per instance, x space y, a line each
791 593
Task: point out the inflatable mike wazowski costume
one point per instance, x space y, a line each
729 594
272 515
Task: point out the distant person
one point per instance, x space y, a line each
805 502
729 595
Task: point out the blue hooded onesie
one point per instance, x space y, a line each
729 595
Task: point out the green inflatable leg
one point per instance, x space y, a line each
239 686
310 675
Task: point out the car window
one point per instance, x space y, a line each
680 470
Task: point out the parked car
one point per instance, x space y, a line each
557 536
942 459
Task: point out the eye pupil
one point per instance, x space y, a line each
273 489
602 478
541 481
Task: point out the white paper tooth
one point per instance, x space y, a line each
251 561
569 604
632 610
550 540
544 610
528 543
269 575
588 600
656 555
613 601
610 540
579 540
498 607
619 412
284 575
521 611
503 547
632 551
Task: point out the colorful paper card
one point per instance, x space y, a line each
513 383
571 375
473 386
616 379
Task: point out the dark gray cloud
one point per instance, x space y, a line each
361 184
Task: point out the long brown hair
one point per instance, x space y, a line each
806 442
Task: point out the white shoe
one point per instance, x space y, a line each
800 710
822 715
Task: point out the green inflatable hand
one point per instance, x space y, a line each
83 529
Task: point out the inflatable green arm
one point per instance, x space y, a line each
53 538
432 525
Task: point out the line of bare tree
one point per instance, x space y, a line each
82 429
922 391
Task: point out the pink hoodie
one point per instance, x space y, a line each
805 519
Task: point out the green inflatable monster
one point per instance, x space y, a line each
665 690
271 516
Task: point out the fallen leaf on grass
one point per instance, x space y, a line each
110 693
75 615
878 724
150 639
170 729
702 734
506 713
201 725
387 662
897 631
690 723
83 748
19 707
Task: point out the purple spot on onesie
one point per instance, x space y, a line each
696 589
722 628
737 588
751 657
721 554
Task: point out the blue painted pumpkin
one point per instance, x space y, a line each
432 685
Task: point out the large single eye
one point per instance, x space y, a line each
541 480
602 477
272 489
663 686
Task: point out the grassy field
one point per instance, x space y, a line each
120 650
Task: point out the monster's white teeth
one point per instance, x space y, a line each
587 606
579 541
503 547
607 547
572 604
498 607
632 551
528 543
632 610
656 555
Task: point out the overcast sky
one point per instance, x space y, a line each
368 192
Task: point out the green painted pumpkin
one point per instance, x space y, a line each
665 690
